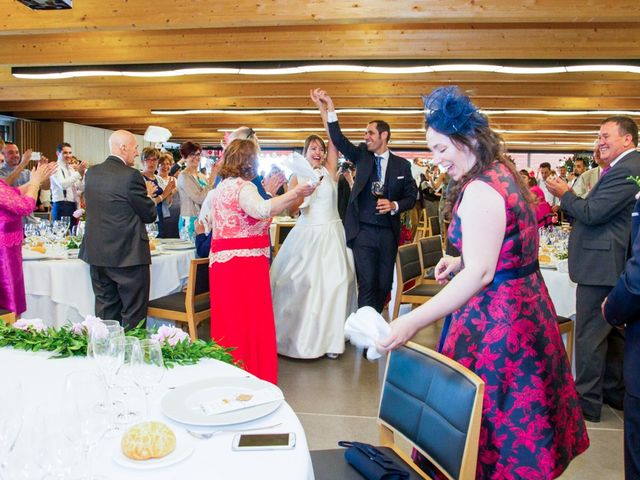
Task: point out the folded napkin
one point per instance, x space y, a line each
301 168
237 399
364 328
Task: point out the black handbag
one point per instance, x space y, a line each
372 463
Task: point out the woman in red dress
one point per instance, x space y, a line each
241 307
502 323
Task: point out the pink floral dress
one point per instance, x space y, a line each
532 425
13 206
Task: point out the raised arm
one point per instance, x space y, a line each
342 143
332 151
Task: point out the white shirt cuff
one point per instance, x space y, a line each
332 117
395 210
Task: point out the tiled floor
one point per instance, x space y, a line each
338 400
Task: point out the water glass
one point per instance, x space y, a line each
148 368
124 378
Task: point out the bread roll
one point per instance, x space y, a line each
148 440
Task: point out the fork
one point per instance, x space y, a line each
208 435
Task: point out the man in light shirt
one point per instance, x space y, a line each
66 184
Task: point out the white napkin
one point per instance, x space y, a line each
301 168
364 328
233 400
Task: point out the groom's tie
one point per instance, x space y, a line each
379 167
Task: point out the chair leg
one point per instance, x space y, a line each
569 347
193 330
396 306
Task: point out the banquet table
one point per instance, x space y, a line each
59 291
42 381
562 291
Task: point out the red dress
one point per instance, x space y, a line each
241 306
532 425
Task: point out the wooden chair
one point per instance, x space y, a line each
282 230
429 402
190 306
430 255
7 316
434 226
423 229
566 325
409 268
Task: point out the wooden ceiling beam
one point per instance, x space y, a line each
333 43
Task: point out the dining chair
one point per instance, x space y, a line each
434 226
411 287
7 316
429 403
430 255
423 229
566 325
190 306
282 230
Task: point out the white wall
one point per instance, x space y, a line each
91 144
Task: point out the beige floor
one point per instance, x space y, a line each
338 399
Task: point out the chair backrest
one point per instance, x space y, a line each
198 282
430 251
408 263
282 230
436 405
434 225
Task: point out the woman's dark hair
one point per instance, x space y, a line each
149 152
240 160
189 148
488 147
310 139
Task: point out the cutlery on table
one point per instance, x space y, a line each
207 435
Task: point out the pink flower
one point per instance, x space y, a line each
95 327
35 325
170 335
77 329
78 213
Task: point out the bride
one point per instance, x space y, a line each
312 277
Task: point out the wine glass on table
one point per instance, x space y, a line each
377 190
124 379
148 368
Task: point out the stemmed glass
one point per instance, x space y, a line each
124 379
86 420
148 368
11 416
377 190
152 230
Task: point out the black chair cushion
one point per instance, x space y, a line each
4 311
425 289
331 465
561 320
175 302
410 267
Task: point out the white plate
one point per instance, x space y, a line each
548 266
178 246
155 252
183 403
184 449
28 254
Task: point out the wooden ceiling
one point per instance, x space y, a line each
358 32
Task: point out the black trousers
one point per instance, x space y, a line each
64 209
374 253
122 293
599 352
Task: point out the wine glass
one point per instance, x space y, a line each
11 417
148 368
124 378
86 420
152 230
377 190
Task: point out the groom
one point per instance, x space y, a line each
372 225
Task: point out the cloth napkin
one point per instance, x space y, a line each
364 328
234 400
301 168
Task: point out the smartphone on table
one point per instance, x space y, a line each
264 441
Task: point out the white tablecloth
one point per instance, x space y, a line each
562 291
59 291
42 384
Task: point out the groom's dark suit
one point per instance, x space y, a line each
374 238
115 244
623 307
597 252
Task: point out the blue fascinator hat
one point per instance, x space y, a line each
449 111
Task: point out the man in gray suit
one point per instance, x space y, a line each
115 244
597 252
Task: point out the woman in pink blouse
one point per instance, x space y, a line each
241 305
14 204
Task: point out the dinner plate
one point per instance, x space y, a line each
183 404
178 246
184 449
28 254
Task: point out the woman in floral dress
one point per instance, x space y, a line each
502 323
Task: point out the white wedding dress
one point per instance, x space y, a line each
313 279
